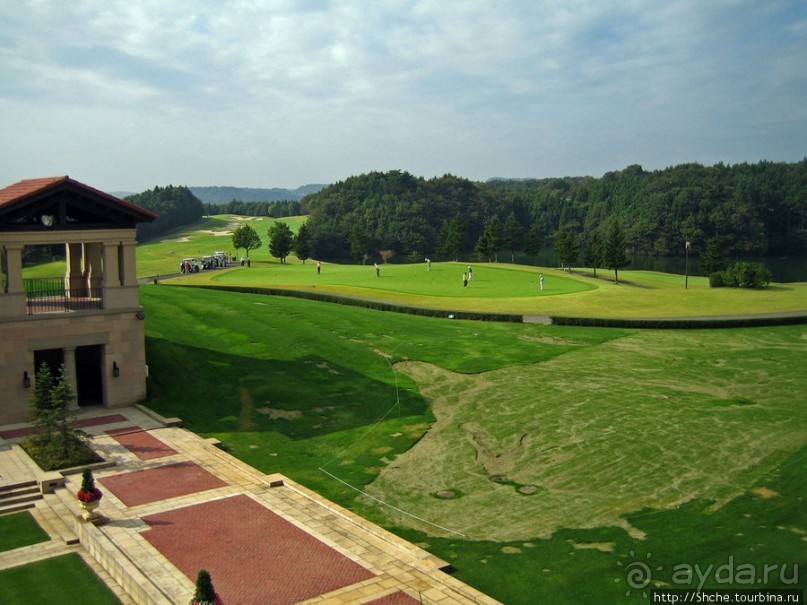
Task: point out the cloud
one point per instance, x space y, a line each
282 93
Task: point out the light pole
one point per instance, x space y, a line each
686 276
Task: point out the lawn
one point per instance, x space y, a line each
63 579
20 529
495 288
162 255
552 452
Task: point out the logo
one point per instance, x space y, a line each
638 574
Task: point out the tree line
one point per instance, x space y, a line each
745 208
274 209
176 206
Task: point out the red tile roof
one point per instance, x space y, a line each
25 188
19 191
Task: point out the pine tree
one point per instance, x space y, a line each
592 251
615 257
512 235
533 243
567 248
302 243
205 593
713 260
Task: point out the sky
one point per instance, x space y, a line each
125 95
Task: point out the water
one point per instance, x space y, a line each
784 268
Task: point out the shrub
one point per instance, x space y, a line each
88 491
205 593
742 275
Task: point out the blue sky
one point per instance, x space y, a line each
126 95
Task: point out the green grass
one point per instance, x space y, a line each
20 529
644 441
162 255
326 368
63 579
496 288
504 288
590 565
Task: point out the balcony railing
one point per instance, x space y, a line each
51 295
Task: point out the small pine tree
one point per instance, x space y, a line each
205 593
53 442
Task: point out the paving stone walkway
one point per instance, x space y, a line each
175 503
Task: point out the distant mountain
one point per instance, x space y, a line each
222 195
121 194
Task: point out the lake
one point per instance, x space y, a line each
791 268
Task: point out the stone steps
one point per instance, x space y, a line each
18 496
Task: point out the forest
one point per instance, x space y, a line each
176 206
751 208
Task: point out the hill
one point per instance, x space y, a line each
222 195
747 209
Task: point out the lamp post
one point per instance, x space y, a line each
686 276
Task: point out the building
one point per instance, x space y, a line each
89 317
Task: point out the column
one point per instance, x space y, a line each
128 272
12 301
74 277
93 253
70 372
111 271
14 268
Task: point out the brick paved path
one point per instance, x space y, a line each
141 443
160 483
175 503
254 556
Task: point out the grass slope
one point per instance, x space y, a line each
686 445
682 415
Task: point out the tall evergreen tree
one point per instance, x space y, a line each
302 243
533 243
592 251
450 241
615 256
714 259
567 248
359 243
490 242
512 235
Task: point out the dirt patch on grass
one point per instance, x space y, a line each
546 340
592 435
221 233
276 414
601 546
765 493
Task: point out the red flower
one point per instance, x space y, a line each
218 601
90 495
